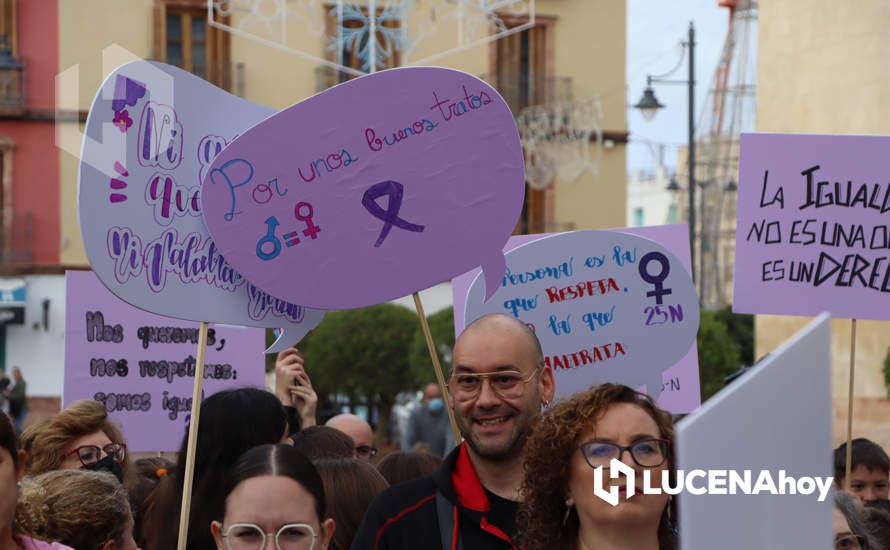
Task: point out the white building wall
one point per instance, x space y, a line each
39 352
647 193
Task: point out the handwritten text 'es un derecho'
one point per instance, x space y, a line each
557 294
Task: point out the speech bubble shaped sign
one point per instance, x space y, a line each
380 187
152 131
606 307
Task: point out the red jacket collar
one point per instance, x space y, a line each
467 486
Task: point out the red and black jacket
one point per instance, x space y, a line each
407 516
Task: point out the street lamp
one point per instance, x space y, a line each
649 105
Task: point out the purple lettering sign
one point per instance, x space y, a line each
152 131
376 188
812 231
141 366
605 305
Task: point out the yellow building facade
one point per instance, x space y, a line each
822 70
576 41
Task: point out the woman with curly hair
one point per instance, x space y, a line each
573 438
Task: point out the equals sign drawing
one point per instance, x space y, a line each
118 183
290 239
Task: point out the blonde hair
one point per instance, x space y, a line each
45 443
79 508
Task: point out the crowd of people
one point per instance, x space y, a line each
267 476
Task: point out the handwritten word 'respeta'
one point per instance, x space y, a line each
580 290
860 195
565 269
390 217
596 354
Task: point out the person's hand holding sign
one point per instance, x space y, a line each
293 386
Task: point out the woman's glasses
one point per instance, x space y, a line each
647 453
249 536
851 542
92 454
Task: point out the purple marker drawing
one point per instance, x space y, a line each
439 146
180 123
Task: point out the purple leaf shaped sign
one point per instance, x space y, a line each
377 188
152 131
606 306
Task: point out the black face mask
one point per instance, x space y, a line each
107 464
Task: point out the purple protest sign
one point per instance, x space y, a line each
812 232
374 189
606 306
152 132
141 366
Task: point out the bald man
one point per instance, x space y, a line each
497 388
360 432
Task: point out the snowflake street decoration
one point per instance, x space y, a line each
355 31
556 138
363 36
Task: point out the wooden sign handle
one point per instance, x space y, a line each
437 366
192 439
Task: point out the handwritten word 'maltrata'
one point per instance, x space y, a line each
596 354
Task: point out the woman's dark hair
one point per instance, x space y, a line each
277 460
402 466
8 440
232 421
350 485
147 473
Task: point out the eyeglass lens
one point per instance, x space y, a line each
91 454
649 453
507 384
245 536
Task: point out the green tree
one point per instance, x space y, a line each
741 330
363 354
718 354
442 329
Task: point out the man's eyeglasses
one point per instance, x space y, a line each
851 542
248 536
506 384
366 451
647 453
92 454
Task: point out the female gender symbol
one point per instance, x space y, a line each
390 216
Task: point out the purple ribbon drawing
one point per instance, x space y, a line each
390 216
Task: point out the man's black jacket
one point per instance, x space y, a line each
406 516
